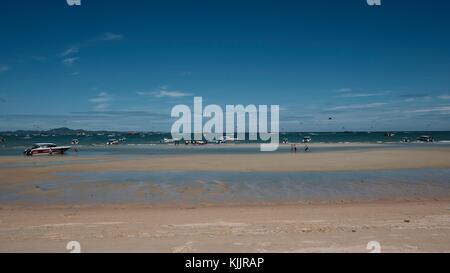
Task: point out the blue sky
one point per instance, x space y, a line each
122 65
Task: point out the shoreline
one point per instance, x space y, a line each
237 205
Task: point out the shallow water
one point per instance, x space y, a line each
195 188
127 151
22 141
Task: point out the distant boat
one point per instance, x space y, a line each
425 139
170 140
307 139
113 142
389 134
46 149
226 139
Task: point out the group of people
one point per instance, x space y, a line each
294 148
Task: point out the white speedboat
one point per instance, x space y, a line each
170 140
113 142
226 139
46 149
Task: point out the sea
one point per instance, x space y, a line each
20 141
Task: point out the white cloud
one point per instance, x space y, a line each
70 51
357 106
444 108
164 92
350 93
344 90
170 94
362 95
101 102
70 61
101 107
445 97
74 49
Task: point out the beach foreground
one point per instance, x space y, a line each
329 201
419 226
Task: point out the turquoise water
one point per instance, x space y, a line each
132 150
150 144
356 137
205 188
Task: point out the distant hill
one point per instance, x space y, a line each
65 131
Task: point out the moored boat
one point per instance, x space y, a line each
425 139
46 149
113 142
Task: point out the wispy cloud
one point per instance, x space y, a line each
350 93
414 97
101 102
344 90
4 68
109 36
69 51
362 95
70 61
357 106
441 109
171 94
105 37
444 97
164 92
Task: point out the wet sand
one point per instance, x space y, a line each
379 159
398 227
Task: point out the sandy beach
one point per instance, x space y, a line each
418 221
397 226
